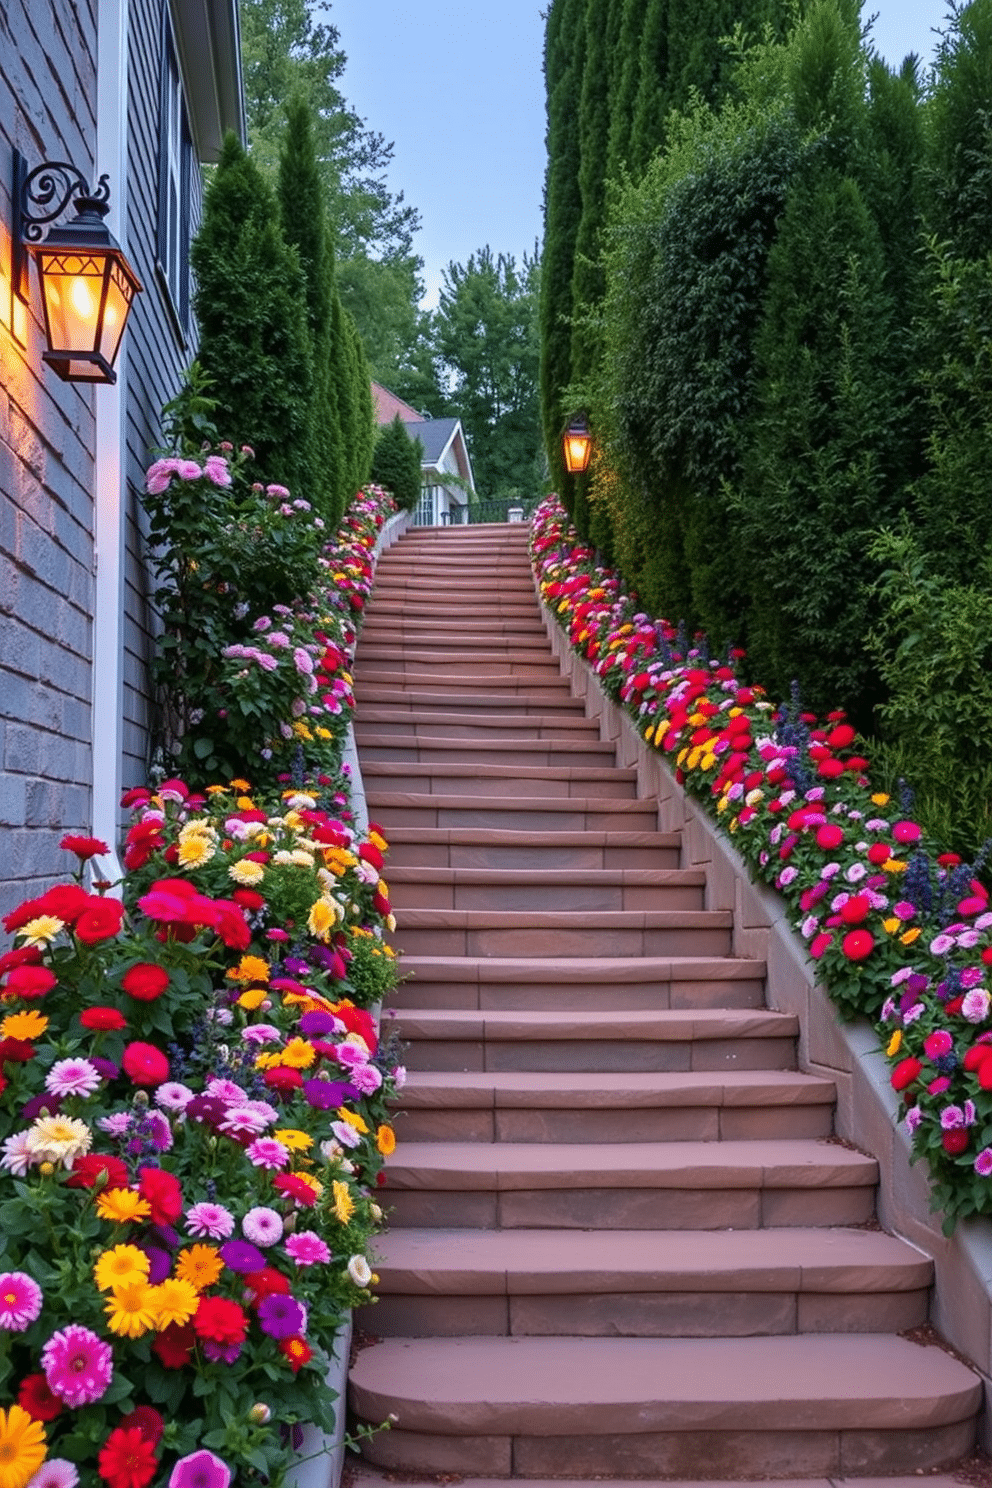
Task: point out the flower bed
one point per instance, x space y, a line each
901 933
192 1125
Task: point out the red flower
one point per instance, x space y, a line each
16 1051
906 831
905 1072
879 853
174 1345
265 1283
145 981
37 1399
98 1168
84 847
145 1064
829 769
102 1019
30 981
295 1188
976 1056
297 1351
137 795
858 945
163 1193
144 839
829 836
248 899
220 1320
955 1141
357 1020
19 956
100 920
282 1078
856 910
126 1459
148 1422
841 736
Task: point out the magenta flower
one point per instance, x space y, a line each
173 1096
210 1219
306 1248
239 1255
72 1077
200 1470
281 1316
268 1153
78 1365
20 1301
983 1162
263 1226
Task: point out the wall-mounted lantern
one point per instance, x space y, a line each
87 284
577 445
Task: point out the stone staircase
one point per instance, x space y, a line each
623 1242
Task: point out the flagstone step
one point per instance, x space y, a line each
543 985
520 812
492 847
473 753
501 778
551 933
650 1106
364 1475
645 1284
571 889
384 722
685 1407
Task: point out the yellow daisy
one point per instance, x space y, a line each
246 873
296 1141
252 999
22 1447
42 930
195 851
29 1025
321 920
298 1054
353 1119
199 1266
250 969
385 1140
131 1309
59 1139
125 1265
174 1301
121 1205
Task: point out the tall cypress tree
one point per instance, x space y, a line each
625 65
653 90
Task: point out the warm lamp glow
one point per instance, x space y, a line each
577 445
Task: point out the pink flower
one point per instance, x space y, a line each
72 1077
951 1117
20 1301
975 1005
210 1219
937 1043
307 1249
983 1162
268 1153
78 1365
200 1470
55 1472
173 1096
262 1226
215 469
906 831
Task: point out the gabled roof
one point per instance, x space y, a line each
208 36
438 436
387 406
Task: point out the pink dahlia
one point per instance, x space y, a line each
20 1301
78 1365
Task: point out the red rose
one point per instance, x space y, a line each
145 1064
954 1142
856 910
30 981
174 1345
102 1019
145 981
163 1193
858 945
100 920
98 1169
220 1320
84 847
37 1399
126 1459
905 1072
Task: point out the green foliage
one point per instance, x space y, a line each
254 345
485 335
959 131
932 641
396 464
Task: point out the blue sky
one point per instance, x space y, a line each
457 87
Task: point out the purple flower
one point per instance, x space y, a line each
107 1068
39 1103
239 1255
983 1162
316 1023
200 1470
20 1301
159 1263
281 1316
326 1095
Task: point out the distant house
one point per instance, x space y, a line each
144 91
443 502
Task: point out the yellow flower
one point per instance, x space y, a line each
385 1140
880 799
240 785
173 1301
252 999
131 1309
682 756
296 1141
244 803
41 930
344 1204
707 762
199 1266
895 865
891 925
323 733
250 969
217 790
122 1266
30 1025
195 850
911 935
298 1054
321 920
895 1043
264 1060
247 873
59 1139
353 1119
377 840
120 1205
302 730
22 1447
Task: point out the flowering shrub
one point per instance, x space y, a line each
192 1129
900 932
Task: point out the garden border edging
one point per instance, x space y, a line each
849 1054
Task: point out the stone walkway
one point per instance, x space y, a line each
623 1244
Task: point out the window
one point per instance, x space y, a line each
425 511
175 173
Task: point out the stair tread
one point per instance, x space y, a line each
661 1023
522 837
523 1262
613 877
610 1385
387 769
553 1088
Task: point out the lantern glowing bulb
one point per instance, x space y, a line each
577 446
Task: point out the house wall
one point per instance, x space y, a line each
47 111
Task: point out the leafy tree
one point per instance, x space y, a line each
959 130
396 463
485 332
250 306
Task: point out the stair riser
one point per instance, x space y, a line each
592 1056
631 1124
480 705
629 1208
606 1314
609 899
536 854
389 663
495 751
546 997
501 732
488 782
695 1456
571 816
551 941
499 684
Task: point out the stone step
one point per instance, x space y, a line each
489 847
616 934
694 1408
571 889
401 700
524 630
701 1039
501 778
500 684
630 1186
386 722
651 1106
452 583
507 813
377 746
449 610
645 1284
364 1475
376 658
583 984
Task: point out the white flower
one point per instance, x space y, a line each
359 1270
